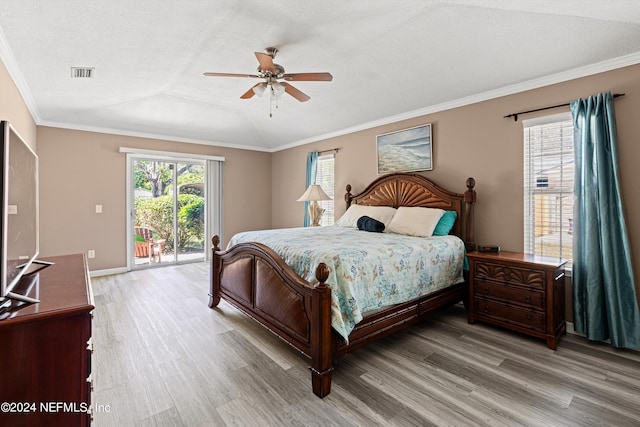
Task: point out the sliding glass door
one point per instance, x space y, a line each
168 211
190 224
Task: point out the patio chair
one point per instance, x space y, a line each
147 246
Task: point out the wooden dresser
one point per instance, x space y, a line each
522 292
45 356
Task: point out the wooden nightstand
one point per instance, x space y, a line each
521 292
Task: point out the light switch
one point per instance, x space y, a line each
98 208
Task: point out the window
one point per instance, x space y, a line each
548 186
324 177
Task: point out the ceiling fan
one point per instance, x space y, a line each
275 78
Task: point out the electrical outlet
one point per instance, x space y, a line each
98 208
91 253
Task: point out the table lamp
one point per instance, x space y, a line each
313 194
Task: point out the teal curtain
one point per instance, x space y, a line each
312 169
604 297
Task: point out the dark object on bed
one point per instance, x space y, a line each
367 223
254 279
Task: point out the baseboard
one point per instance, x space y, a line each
107 272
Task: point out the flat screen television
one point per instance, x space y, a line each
19 235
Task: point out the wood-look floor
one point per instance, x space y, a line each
163 358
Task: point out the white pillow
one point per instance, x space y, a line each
415 221
351 216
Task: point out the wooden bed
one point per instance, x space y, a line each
254 279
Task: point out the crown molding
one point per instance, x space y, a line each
9 60
120 132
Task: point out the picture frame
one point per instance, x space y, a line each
406 150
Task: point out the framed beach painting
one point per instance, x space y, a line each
406 150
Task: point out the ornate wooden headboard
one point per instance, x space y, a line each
407 189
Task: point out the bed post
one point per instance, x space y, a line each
214 280
469 200
321 338
348 196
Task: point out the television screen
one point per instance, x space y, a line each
19 208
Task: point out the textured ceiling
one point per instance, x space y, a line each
389 60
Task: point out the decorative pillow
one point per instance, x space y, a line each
446 223
380 213
367 223
415 221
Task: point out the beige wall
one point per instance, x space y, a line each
79 170
14 110
476 141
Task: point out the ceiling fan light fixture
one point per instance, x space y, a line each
278 89
259 89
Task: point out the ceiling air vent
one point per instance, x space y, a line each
82 72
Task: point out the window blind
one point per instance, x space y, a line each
325 178
548 186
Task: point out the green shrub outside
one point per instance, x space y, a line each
157 213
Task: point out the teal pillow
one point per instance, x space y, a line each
445 224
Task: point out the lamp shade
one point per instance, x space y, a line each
278 89
314 193
259 89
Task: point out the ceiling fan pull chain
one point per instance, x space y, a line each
271 102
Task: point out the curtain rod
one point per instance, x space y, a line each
515 115
326 151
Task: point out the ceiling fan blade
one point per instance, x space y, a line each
248 94
230 75
300 96
266 62
308 77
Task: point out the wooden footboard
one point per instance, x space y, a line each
254 279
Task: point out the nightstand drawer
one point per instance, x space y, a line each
510 314
508 293
509 274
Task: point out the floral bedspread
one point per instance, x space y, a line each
368 270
